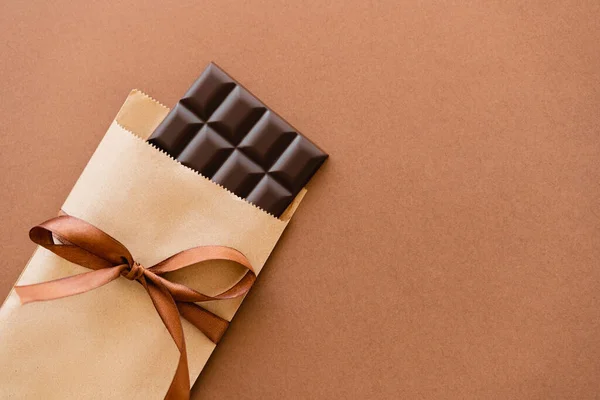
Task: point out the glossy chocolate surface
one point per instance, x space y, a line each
225 133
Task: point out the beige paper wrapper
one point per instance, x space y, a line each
110 343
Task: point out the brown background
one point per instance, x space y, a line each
448 249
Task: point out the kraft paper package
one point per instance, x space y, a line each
110 343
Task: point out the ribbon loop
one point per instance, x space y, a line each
84 244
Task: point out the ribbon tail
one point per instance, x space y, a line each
211 325
167 310
69 286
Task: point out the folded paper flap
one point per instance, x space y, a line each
141 114
171 207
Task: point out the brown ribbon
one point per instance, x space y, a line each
84 244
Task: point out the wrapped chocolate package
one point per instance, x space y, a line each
117 340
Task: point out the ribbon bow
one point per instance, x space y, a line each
90 247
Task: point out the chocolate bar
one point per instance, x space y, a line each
222 131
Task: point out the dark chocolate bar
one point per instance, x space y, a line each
225 133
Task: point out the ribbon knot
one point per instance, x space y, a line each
135 271
84 244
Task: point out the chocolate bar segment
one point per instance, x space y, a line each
225 133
